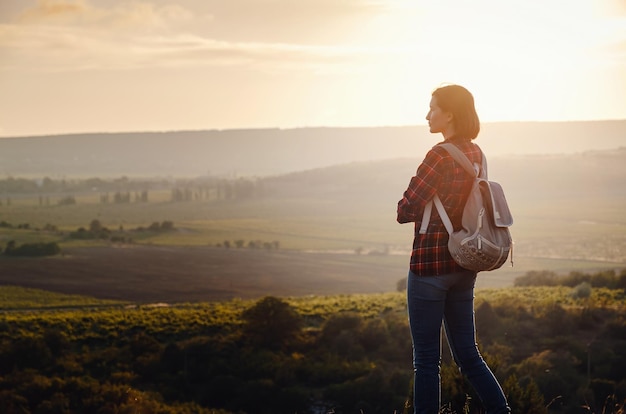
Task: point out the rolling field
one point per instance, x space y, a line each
313 241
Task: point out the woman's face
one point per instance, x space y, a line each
438 120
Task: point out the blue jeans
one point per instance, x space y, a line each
448 299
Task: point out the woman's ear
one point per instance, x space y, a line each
449 117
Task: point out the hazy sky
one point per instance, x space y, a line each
107 65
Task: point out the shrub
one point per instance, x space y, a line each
32 249
537 278
582 290
271 322
66 201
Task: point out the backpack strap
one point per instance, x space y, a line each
442 214
458 155
428 209
474 170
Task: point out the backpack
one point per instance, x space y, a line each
484 240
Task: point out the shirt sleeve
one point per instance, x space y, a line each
422 188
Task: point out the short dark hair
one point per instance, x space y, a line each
460 103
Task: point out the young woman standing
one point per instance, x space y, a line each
438 289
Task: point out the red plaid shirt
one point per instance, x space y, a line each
440 174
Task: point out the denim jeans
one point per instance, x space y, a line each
448 299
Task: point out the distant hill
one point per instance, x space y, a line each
565 206
264 152
580 176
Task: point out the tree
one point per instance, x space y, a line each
533 400
401 284
339 323
95 226
11 246
271 322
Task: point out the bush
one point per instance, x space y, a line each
32 249
67 201
271 322
537 278
83 234
582 290
607 278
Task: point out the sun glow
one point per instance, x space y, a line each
522 60
97 65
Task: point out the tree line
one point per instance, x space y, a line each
98 231
607 278
95 231
124 190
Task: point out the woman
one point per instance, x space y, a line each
438 289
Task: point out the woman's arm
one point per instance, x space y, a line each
422 188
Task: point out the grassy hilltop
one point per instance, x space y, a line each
553 348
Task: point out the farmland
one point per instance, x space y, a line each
300 247
323 231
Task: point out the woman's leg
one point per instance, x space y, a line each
461 334
426 300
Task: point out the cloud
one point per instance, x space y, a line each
256 17
69 35
274 36
133 15
53 9
56 48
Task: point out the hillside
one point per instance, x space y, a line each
315 354
275 151
597 174
567 206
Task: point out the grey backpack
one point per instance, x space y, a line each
484 241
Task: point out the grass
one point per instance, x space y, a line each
582 234
366 305
21 298
296 224
195 320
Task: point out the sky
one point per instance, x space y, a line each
73 66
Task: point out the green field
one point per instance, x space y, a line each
586 229
20 298
297 224
303 221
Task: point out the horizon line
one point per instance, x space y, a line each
416 125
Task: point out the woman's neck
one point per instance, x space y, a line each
448 133
448 136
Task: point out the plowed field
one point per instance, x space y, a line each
189 274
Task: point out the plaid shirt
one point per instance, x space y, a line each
440 174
